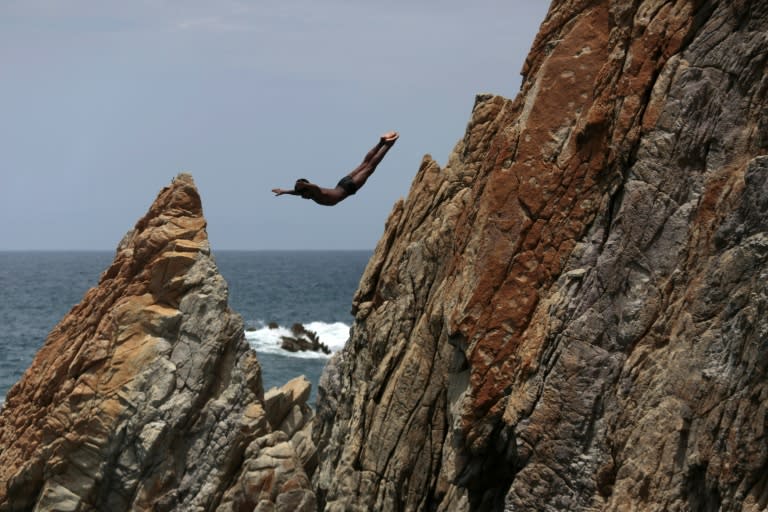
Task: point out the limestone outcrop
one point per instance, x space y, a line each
571 315
146 395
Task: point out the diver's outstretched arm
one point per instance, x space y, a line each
281 191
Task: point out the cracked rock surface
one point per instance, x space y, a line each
571 314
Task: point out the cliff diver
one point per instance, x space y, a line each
350 183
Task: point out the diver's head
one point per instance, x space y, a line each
301 188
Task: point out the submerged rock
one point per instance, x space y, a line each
146 395
571 315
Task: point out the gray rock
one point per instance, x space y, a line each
571 314
146 395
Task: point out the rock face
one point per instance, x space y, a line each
571 315
146 395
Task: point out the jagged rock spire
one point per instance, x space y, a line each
146 395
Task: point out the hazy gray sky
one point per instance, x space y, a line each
102 103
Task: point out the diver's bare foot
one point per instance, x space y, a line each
389 137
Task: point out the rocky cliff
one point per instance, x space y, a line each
146 395
571 314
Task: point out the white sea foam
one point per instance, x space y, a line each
266 340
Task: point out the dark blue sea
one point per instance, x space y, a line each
314 288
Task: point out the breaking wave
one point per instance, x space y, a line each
266 340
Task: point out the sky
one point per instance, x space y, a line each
102 103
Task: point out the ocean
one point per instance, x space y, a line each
314 288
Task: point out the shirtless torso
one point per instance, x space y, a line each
350 183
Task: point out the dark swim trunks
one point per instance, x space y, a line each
348 185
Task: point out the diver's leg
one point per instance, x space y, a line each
369 158
363 172
375 155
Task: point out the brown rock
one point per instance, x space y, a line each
287 411
146 395
570 315
280 401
